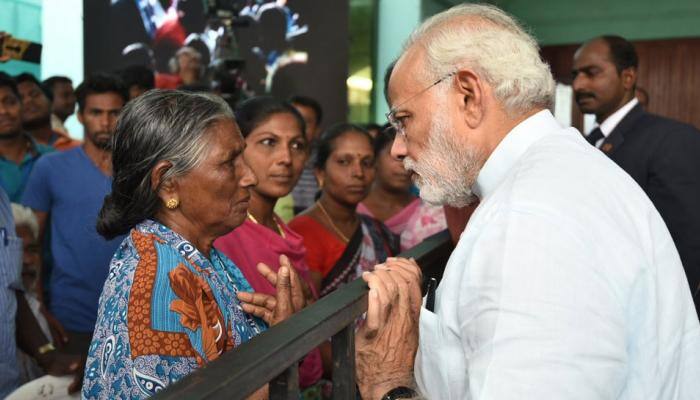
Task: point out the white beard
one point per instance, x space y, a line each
446 171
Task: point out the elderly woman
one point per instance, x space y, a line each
172 302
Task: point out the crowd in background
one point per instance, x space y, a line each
329 204
335 203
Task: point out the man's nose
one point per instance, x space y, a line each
398 148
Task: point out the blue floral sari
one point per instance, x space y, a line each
165 311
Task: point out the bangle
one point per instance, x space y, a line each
46 348
401 392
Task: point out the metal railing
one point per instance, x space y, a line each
274 355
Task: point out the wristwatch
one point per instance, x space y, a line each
401 392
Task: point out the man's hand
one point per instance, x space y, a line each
386 345
291 297
4 35
58 363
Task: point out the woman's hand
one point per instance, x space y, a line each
293 294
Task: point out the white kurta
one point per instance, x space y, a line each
565 284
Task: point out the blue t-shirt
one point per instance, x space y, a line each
13 177
71 189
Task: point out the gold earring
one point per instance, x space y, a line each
172 203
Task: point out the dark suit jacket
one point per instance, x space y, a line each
663 156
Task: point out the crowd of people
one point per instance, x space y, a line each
184 224
328 205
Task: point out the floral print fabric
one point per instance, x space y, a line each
165 311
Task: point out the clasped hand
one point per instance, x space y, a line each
292 294
387 342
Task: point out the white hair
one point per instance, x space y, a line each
491 43
24 216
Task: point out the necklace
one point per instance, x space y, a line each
330 221
279 227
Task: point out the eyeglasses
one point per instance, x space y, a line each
397 124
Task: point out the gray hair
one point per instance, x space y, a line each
160 125
492 43
24 216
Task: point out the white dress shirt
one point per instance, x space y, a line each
614 119
565 284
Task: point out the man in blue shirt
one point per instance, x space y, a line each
67 189
18 150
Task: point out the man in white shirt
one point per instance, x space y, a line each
565 283
662 155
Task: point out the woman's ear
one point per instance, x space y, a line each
320 177
167 188
471 91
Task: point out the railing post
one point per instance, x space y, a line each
343 345
286 385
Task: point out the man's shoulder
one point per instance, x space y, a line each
59 165
55 158
654 124
561 170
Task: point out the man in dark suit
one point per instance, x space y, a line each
661 154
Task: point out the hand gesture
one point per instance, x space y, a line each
292 294
386 344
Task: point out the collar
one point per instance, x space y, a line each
511 148
173 239
33 150
613 120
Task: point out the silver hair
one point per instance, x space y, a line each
24 216
446 171
492 43
160 125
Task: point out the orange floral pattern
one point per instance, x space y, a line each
143 339
165 311
198 309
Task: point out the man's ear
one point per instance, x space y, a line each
629 78
79 114
167 188
471 92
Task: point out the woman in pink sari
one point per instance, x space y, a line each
392 202
276 150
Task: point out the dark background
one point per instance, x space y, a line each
109 29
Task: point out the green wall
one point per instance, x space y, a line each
22 19
396 19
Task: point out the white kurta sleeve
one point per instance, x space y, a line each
538 318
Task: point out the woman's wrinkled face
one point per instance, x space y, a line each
276 151
215 194
391 173
349 170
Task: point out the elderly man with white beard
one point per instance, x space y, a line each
565 284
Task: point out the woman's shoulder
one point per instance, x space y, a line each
380 233
305 224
